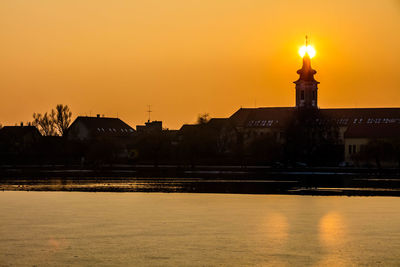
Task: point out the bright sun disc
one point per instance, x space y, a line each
307 49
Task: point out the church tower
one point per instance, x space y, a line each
306 85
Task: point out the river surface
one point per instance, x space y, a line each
181 229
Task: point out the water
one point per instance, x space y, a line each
179 229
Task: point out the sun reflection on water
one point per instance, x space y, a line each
276 228
331 229
332 236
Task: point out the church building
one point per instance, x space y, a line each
356 126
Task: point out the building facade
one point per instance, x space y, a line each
356 127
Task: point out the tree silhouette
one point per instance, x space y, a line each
203 118
313 138
265 149
44 123
62 118
54 123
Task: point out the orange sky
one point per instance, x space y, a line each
188 57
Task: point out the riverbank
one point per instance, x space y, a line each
202 179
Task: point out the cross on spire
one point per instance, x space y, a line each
306 40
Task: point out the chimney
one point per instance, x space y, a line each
22 124
98 115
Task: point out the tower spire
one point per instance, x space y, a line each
306 85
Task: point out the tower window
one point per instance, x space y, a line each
302 95
313 95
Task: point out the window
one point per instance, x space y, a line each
352 149
313 95
302 95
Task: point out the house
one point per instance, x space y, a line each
16 140
359 138
100 139
94 128
251 123
150 127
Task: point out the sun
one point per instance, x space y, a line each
310 50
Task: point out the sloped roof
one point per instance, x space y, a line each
100 126
348 116
188 127
279 116
262 117
214 123
18 131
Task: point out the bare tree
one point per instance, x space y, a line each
62 118
203 118
44 123
54 123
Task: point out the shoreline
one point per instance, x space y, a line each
193 185
202 179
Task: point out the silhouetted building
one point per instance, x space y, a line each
16 140
360 138
150 127
90 128
20 135
100 140
356 126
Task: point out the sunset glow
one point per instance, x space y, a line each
310 50
116 58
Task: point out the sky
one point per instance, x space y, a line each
189 57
